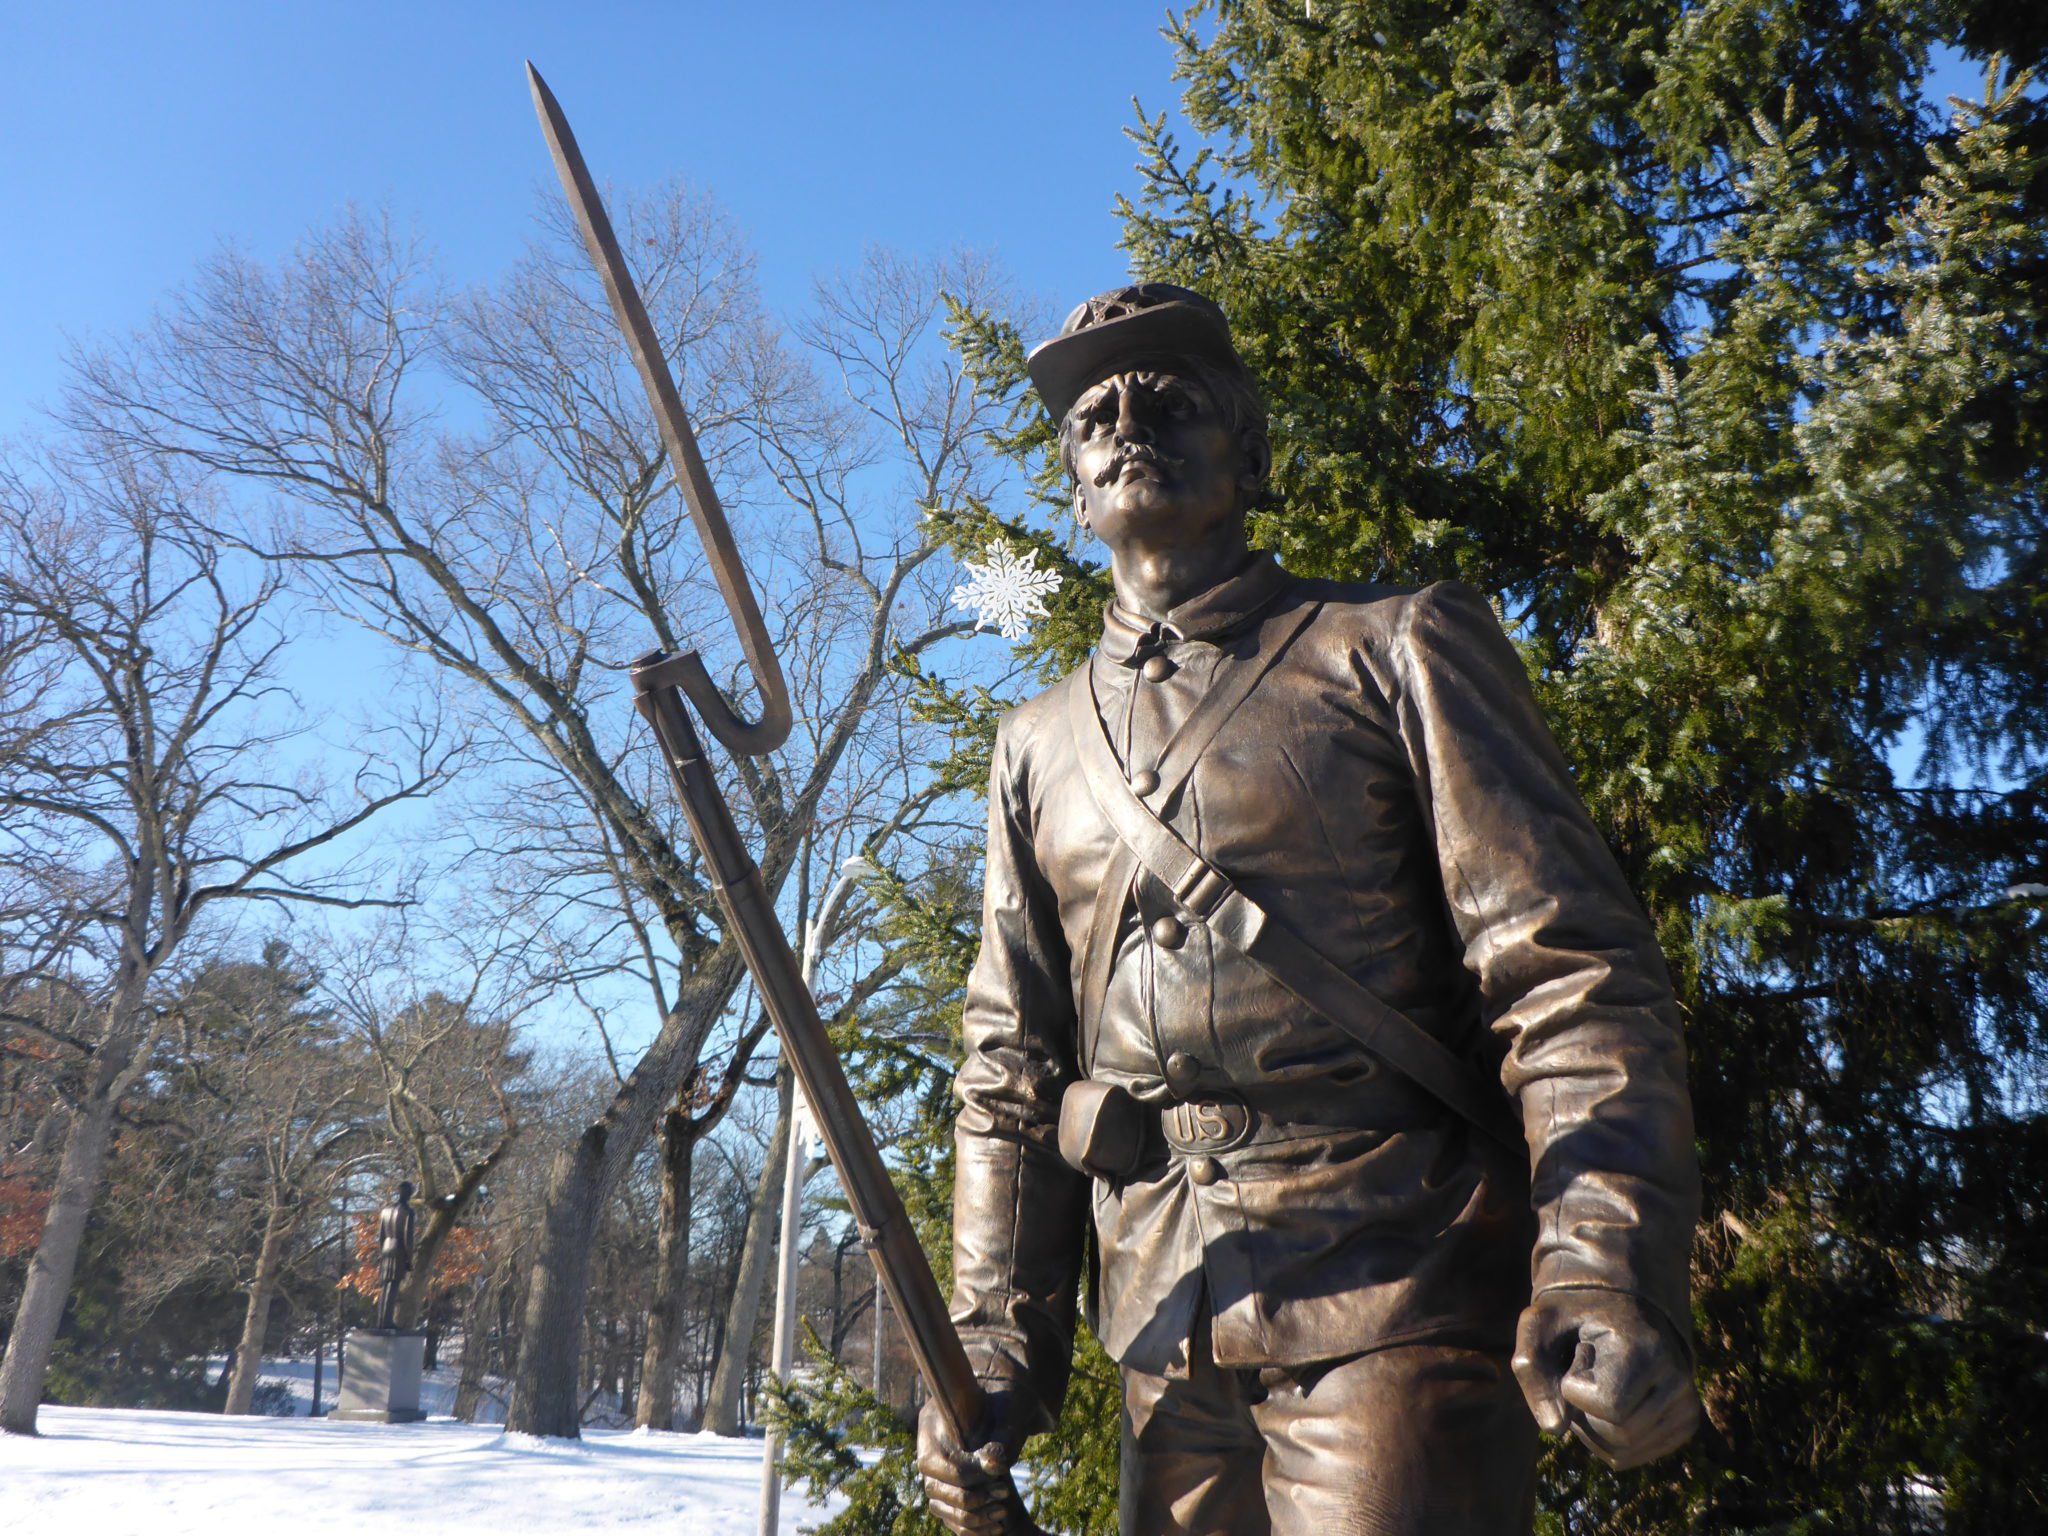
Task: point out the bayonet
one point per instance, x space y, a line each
684 669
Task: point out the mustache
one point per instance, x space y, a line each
1136 453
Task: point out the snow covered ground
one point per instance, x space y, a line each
135 1472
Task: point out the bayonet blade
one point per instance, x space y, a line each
676 434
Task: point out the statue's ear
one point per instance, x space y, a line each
1081 509
1258 462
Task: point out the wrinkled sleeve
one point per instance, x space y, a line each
1570 976
1017 1208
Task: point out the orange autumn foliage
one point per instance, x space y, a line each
461 1260
22 1207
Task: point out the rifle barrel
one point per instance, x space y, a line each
905 1273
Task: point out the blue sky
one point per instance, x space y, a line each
136 137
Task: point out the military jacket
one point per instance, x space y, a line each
1391 792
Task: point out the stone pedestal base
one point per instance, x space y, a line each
380 1378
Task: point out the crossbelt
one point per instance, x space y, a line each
1205 893
1225 693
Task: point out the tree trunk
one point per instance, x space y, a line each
722 1414
469 1386
657 1406
633 1346
610 1371
41 1309
443 1217
546 1397
511 1304
256 1321
476 1350
846 1314
580 1183
426 1253
838 1333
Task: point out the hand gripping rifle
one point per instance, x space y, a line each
735 878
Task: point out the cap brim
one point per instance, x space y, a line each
1065 366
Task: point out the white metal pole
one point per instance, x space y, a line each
798 1165
875 1362
797 1169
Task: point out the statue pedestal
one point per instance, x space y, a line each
380 1379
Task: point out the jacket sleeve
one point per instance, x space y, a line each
1570 976
1017 1208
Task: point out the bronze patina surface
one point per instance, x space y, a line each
1387 1143
396 1224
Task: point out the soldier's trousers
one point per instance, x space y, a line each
1412 1440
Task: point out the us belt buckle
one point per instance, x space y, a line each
1213 1123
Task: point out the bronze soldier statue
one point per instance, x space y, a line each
394 1254
1309 992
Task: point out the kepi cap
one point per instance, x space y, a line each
1141 319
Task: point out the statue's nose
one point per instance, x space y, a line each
1134 416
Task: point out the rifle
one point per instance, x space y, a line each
658 679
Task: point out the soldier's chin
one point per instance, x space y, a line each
1147 502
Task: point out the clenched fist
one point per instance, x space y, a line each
971 1490
1610 1369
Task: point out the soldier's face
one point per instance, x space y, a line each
1155 461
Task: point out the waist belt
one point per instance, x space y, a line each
1107 1134
1206 894
1223 1122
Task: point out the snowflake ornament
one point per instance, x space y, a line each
1007 590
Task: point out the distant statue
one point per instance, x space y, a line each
394 1254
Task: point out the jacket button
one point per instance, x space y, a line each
1168 932
1144 781
1204 1170
1157 668
1182 1071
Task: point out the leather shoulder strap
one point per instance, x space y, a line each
1226 692
1206 894
1111 898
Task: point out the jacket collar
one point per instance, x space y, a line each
1129 638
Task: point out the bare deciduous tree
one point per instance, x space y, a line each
157 790
537 554
449 1075
289 1102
